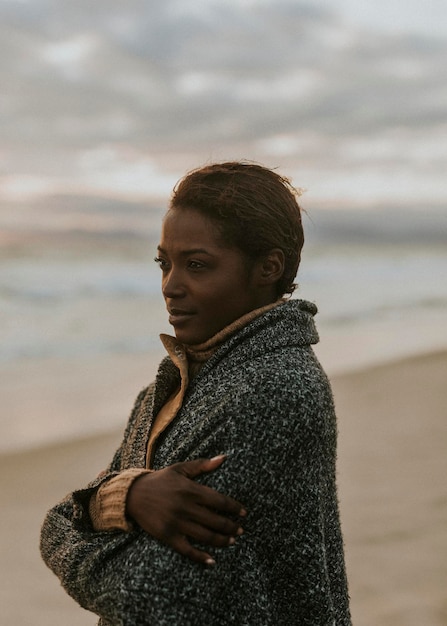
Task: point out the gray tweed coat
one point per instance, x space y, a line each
264 400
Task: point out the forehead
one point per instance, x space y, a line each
189 227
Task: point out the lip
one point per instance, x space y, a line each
179 316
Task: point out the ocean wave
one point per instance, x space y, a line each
41 282
77 348
385 312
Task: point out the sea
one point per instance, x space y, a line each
81 284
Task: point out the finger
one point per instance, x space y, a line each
207 537
192 469
183 547
212 499
215 523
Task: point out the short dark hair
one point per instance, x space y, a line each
254 208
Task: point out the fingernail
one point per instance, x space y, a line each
218 457
210 562
242 513
240 531
231 541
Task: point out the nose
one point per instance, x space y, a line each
172 285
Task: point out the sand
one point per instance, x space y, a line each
392 470
392 477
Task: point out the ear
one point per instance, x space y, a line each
271 267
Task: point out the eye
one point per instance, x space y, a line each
196 265
162 263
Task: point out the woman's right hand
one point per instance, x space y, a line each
171 507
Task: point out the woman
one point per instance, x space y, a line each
220 505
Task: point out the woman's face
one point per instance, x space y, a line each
206 284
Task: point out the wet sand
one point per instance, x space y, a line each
392 469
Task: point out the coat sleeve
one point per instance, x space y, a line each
69 545
287 480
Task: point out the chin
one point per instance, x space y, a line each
184 336
190 338
193 332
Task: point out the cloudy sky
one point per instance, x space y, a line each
119 98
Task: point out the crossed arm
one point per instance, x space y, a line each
169 506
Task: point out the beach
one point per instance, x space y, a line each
104 111
392 468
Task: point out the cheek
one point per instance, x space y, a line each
221 293
215 302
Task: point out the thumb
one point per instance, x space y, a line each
192 469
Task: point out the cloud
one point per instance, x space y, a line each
278 79
71 56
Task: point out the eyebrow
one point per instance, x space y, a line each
187 252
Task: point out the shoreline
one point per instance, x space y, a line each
111 421
53 399
392 442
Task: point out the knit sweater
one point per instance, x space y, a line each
263 400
